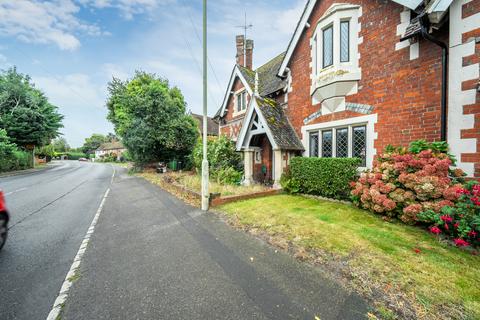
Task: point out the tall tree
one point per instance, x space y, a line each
25 113
111 137
93 143
60 144
150 118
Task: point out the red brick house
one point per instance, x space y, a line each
356 77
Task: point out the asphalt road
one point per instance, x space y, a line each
51 211
150 257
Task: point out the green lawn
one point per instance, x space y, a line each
440 281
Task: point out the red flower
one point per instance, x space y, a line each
456 225
472 234
446 218
463 191
476 201
435 230
461 243
417 250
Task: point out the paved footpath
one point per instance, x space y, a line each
153 257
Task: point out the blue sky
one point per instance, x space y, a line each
72 48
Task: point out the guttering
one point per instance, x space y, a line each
429 37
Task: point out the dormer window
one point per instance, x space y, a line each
335 68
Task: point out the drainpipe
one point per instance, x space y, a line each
429 37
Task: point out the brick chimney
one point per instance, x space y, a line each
248 52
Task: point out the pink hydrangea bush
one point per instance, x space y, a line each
404 184
418 186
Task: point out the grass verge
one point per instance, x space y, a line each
403 270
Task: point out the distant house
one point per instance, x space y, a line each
212 125
109 148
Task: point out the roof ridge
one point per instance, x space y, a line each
271 60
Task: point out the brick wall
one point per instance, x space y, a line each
231 123
405 93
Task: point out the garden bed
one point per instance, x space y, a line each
403 270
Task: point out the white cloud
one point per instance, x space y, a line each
34 21
128 8
81 101
71 91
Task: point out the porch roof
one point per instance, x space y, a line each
282 131
273 122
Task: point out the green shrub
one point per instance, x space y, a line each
289 184
126 156
75 155
11 158
222 158
326 177
23 160
228 176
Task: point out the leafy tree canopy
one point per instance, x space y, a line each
25 112
111 137
60 145
47 150
150 118
93 143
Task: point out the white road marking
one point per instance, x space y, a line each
15 191
72 273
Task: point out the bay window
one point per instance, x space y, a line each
334 48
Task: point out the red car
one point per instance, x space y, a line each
3 220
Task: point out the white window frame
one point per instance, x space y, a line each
258 156
368 121
237 95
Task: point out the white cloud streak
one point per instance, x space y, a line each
44 22
128 8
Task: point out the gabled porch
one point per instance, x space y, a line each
268 142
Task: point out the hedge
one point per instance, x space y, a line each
326 177
17 160
75 155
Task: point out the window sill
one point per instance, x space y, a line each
239 113
335 81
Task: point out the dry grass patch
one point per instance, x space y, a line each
399 267
193 182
